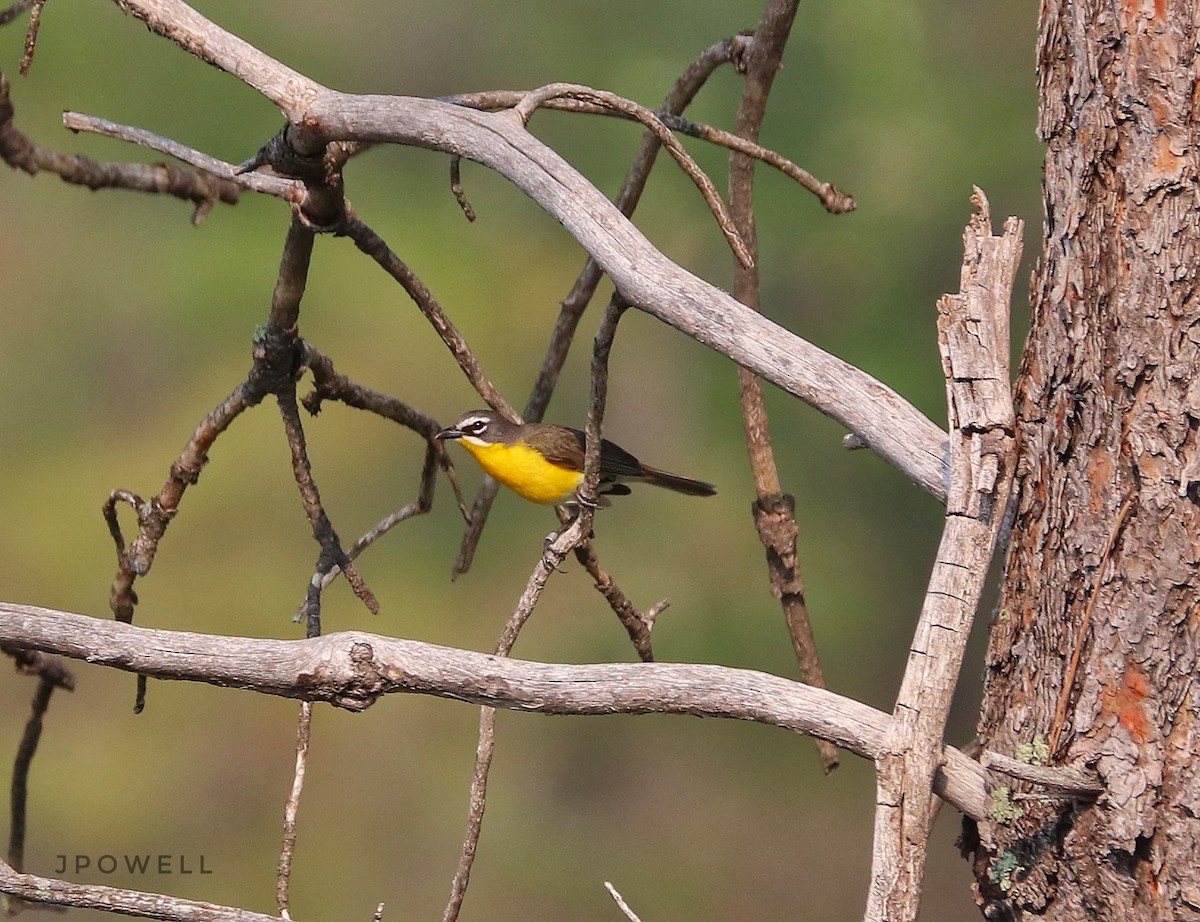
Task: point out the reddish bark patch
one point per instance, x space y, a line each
1125 703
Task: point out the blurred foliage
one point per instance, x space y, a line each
123 325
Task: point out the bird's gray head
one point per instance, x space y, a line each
481 426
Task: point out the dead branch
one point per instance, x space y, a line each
621 904
773 510
553 555
604 100
202 189
1067 780
51 674
575 303
374 246
832 199
637 625
12 12
646 278
283 879
135 903
973 335
288 189
352 670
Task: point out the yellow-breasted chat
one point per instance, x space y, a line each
544 463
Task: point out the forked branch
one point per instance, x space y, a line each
646 278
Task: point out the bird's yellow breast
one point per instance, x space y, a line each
524 471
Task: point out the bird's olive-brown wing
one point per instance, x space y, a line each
565 447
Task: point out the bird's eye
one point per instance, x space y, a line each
475 427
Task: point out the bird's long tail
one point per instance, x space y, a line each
677 483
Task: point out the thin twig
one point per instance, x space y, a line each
422 505
266 183
478 805
154 516
636 625
31 34
666 138
832 199
51 674
280 337
551 557
283 880
456 187
328 384
322 528
575 303
376 247
202 189
773 510
621 904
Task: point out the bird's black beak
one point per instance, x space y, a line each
449 433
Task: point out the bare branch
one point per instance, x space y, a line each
12 12
555 551
637 625
973 334
456 187
31 33
646 278
354 669
289 189
374 246
832 199
774 511
20 152
1071 782
283 879
154 516
136 903
651 120
284 352
422 505
621 904
575 303
51 674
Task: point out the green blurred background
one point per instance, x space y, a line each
122 325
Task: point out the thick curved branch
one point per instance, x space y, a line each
643 275
353 669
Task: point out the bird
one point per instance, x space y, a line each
544 463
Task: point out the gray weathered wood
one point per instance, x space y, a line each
973 337
888 423
353 669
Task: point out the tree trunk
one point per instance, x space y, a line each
1093 655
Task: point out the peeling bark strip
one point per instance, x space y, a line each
973 336
1093 657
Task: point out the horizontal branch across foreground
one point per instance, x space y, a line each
353 669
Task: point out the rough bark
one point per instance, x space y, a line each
1093 655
